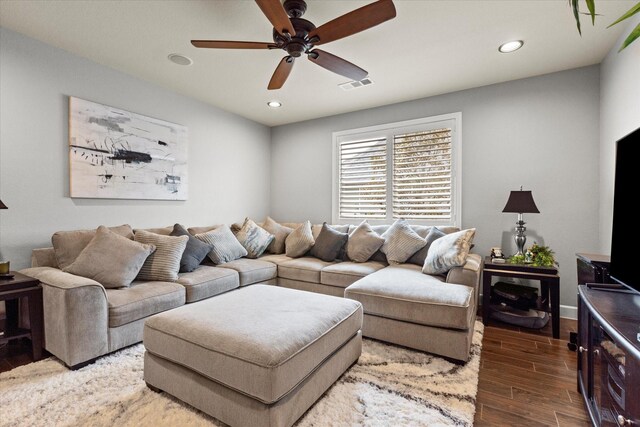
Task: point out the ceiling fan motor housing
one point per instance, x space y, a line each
298 43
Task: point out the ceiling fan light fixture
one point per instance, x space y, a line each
511 46
274 104
176 58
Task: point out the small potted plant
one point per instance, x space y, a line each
538 256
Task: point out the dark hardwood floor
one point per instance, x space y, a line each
526 378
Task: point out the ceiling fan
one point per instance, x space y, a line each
297 36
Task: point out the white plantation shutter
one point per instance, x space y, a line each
407 170
363 178
422 175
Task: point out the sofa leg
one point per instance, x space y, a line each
81 365
153 388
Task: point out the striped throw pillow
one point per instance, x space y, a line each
225 245
400 242
164 263
299 241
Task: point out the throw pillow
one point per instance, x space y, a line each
225 246
195 252
419 257
67 245
329 244
110 259
400 242
299 241
164 263
363 243
280 233
448 251
254 238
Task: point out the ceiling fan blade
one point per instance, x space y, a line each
282 72
355 21
275 13
337 64
223 44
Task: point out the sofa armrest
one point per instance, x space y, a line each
469 274
76 315
43 257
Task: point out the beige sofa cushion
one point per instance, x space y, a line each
306 269
67 245
142 299
111 259
344 274
252 271
404 293
260 340
207 281
276 259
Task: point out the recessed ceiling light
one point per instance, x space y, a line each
274 104
511 46
176 58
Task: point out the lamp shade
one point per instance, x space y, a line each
521 202
3 206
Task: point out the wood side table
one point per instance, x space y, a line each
11 290
549 299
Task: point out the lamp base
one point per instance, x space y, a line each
520 237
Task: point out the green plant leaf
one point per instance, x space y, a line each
591 5
635 9
576 13
634 35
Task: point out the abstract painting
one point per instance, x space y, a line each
116 154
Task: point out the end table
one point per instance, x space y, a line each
11 290
549 287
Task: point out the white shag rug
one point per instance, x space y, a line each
389 386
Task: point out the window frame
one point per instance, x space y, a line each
389 130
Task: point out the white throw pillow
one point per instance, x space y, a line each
448 251
299 241
400 242
254 238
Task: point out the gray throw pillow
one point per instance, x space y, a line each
419 257
363 243
195 252
254 238
225 246
110 259
299 241
329 244
400 242
164 263
280 233
67 245
448 251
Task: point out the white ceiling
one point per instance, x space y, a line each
430 48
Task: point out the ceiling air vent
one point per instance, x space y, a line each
356 84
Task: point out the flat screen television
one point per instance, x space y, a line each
625 256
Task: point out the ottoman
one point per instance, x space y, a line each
257 356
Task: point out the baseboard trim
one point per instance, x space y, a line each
569 312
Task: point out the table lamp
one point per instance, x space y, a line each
520 202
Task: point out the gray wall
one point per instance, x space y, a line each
619 115
540 132
228 155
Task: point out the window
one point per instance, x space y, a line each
401 170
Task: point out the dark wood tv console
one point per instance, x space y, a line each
609 355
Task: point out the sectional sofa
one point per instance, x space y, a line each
434 313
